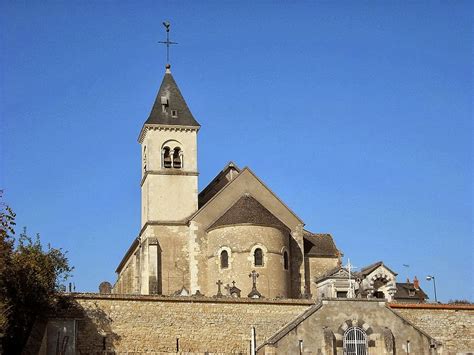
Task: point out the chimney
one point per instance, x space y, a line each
416 283
408 280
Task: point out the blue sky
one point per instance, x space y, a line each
357 114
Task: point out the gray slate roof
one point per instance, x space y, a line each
175 101
248 210
317 244
403 292
227 174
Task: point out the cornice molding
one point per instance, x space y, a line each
158 127
168 172
147 224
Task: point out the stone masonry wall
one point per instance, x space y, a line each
317 267
151 324
453 325
143 324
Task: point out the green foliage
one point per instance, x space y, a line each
7 224
30 281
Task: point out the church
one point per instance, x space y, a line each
235 230
190 240
232 270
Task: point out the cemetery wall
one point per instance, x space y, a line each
142 324
156 324
452 325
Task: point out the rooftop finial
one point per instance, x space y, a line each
168 43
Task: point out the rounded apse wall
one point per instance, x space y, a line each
240 243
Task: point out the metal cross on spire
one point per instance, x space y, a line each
167 42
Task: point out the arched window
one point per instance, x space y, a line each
224 259
177 158
355 341
258 257
285 260
144 158
166 157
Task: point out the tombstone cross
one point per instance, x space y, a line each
219 283
254 276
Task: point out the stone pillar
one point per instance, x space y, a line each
194 252
153 266
181 154
144 290
136 271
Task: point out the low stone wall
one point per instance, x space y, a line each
141 324
453 325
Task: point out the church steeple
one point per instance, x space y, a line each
170 108
169 157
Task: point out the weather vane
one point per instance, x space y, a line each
167 42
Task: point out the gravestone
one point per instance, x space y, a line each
105 288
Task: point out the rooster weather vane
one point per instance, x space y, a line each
167 42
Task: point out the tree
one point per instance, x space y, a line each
7 224
30 282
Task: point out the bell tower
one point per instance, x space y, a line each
169 183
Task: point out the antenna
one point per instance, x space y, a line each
167 42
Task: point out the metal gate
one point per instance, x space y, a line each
355 341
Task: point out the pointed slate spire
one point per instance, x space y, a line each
169 107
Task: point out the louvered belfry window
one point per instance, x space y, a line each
166 157
176 158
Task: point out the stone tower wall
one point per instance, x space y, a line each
169 194
159 264
171 259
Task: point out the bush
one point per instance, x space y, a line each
30 281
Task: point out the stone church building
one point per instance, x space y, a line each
191 240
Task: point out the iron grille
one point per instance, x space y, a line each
355 341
